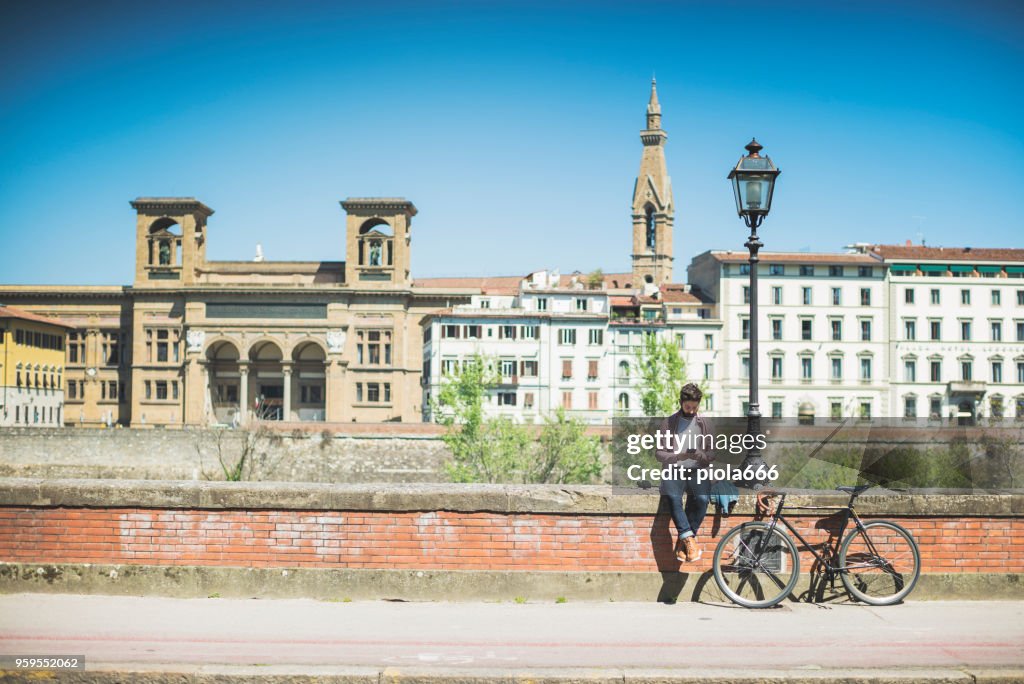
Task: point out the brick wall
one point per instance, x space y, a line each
440 539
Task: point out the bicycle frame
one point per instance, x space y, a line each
849 513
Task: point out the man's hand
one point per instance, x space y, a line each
704 459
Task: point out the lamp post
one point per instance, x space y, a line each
753 182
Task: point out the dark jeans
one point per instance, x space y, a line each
697 497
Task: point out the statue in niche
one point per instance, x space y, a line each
165 253
375 253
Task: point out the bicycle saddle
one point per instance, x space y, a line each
853 490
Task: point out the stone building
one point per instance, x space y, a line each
194 341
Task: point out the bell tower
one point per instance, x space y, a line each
170 240
653 209
377 241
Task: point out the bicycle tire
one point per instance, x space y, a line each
887 568
731 577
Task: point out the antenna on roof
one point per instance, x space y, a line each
919 220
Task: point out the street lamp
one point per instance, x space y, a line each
753 182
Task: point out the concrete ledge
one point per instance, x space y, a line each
113 673
329 584
574 499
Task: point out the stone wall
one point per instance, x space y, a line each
314 456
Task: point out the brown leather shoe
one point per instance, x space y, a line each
692 549
681 550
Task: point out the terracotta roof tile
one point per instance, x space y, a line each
677 294
796 258
12 312
925 253
482 284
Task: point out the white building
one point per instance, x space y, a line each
557 343
822 332
876 331
957 321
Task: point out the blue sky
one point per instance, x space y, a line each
513 127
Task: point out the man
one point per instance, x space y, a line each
686 424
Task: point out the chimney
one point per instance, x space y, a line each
909 243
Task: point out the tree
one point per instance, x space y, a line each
661 371
482 451
595 279
500 450
251 452
565 455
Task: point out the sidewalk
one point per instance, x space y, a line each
396 642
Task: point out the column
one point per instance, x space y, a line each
286 409
335 390
243 393
196 391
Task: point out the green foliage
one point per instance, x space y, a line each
461 397
564 454
595 279
500 450
994 462
661 370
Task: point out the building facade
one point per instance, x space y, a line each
32 384
875 330
197 342
957 320
823 332
559 342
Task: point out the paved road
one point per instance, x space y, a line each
149 631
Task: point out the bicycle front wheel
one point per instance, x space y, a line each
756 565
880 563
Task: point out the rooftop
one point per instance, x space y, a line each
924 253
12 312
730 257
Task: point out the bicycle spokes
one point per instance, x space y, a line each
756 566
880 563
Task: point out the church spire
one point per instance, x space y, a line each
653 108
653 210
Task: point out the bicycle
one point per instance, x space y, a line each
757 564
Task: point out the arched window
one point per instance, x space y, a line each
165 243
623 402
624 370
376 243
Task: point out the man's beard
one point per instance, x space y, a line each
689 415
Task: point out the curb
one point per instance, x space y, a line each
288 674
202 581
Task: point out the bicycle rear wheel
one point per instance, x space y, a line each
756 566
881 563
